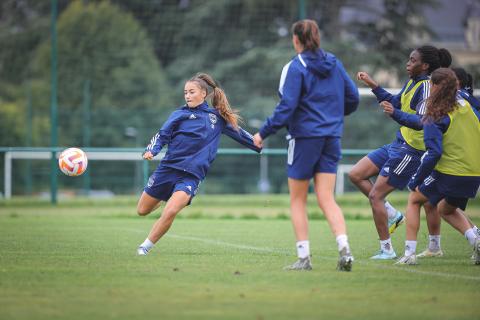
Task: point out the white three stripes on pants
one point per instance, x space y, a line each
403 164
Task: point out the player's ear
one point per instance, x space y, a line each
425 66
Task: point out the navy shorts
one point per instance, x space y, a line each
307 156
379 156
454 189
164 181
397 161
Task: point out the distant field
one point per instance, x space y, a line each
222 259
354 205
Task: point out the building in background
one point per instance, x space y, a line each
457 28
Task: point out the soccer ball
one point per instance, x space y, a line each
73 162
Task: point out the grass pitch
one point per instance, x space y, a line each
222 259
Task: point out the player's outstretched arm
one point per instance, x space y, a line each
241 136
163 136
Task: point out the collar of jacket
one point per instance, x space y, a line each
421 77
315 53
202 106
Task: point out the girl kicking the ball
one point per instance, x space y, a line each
192 134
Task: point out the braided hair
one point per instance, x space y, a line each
435 58
465 79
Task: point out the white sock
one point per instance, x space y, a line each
303 249
391 211
342 242
434 242
410 247
471 236
477 231
386 245
147 244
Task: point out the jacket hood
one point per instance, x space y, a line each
319 62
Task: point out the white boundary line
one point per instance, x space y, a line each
410 269
227 244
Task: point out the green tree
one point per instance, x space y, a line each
23 25
101 45
12 131
211 30
392 29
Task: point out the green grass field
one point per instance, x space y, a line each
222 259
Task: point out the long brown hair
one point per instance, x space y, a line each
307 33
442 100
218 97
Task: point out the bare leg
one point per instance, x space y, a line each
177 202
434 220
377 201
415 200
361 173
298 207
453 216
324 186
147 204
467 217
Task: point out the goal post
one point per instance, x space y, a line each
134 154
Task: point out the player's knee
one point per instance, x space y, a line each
373 196
143 211
429 208
354 176
326 201
444 212
169 214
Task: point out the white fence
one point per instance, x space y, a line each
134 155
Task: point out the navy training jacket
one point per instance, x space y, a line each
192 136
315 95
474 102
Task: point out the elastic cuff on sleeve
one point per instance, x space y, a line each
263 133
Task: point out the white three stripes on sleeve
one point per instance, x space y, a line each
153 142
426 94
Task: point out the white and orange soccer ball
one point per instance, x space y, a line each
73 162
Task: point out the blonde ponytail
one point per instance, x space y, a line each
219 99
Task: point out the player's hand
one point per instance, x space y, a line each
365 77
387 107
361 75
148 155
257 140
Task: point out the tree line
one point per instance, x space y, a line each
122 63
